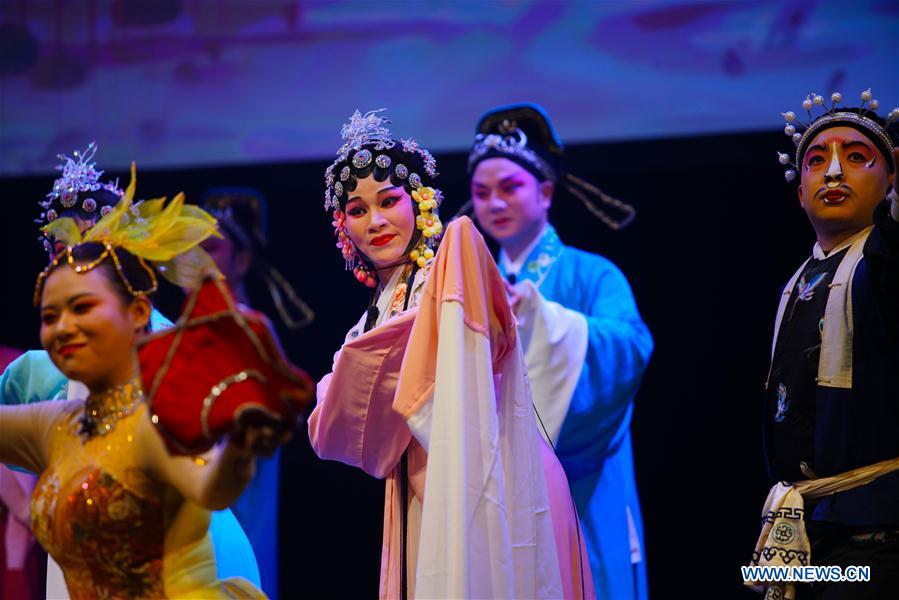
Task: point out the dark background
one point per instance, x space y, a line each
718 233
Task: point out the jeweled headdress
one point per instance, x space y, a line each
167 235
79 174
882 132
510 142
524 134
369 148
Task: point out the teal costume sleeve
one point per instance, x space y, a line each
30 378
233 554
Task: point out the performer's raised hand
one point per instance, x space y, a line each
260 439
514 296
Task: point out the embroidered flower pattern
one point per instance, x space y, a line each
543 257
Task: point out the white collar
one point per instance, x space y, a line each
513 267
819 254
385 298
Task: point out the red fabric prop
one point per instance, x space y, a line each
219 366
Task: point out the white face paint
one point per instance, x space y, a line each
835 170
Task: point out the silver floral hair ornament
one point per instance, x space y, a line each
864 118
365 136
367 145
79 175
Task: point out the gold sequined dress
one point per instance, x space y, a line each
115 532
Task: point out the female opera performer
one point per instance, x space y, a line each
121 516
429 391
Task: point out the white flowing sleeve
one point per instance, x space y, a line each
554 339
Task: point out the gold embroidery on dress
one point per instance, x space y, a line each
98 514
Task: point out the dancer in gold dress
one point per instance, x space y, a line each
122 516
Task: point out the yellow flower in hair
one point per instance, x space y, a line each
423 194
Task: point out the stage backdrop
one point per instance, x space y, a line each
211 82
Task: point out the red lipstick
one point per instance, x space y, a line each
382 240
69 349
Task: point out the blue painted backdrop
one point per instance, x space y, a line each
174 83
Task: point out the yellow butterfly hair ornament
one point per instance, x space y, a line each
166 235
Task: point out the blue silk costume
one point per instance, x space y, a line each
257 512
594 443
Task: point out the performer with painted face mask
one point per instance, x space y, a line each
429 391
832 395
81 194
585 344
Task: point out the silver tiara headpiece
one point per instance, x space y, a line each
513 141
79 174
367 135
363 130
802 133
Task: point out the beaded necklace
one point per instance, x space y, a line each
102 411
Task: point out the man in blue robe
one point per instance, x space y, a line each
585 345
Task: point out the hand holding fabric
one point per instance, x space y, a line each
220 370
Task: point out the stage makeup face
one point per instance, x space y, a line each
843 178
88 329
510 204
380 220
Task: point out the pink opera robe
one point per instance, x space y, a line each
445 382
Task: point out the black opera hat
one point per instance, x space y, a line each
524 134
